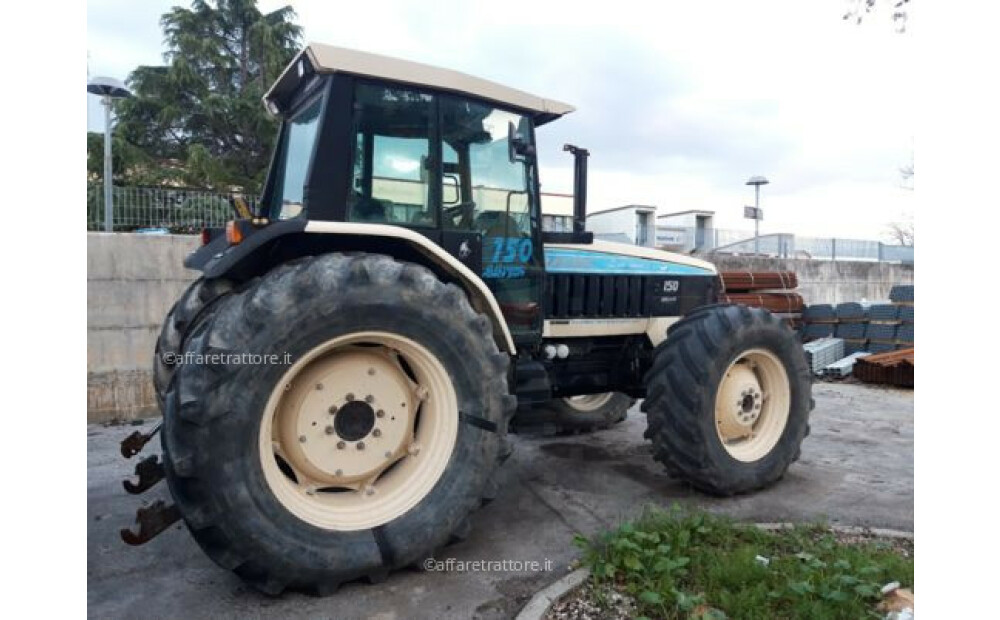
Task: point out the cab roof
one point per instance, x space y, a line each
320 58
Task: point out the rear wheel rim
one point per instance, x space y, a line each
588 403
358 431
752 405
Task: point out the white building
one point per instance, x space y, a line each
557 212
685 231
682 231
632 222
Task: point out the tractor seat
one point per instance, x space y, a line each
367 209
497 224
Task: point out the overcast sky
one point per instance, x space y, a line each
679 103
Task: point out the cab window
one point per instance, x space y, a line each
390 182
489 188
297 143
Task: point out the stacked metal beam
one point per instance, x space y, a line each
843 367
901 294
821 353
783 303
815 331
881 329
884 313
904 333
744 281
892 368
820 313
765 289
850 331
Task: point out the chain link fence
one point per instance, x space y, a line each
175 210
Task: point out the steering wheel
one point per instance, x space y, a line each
461 214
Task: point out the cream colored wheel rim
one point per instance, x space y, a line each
589 402
358 431
752 405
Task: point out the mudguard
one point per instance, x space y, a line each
264 247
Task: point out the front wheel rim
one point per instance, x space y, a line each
589 402
358 431
752 405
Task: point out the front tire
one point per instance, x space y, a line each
361 452
728 399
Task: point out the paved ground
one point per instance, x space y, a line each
856 469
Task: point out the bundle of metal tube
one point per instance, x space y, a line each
892 367
785 303
744 281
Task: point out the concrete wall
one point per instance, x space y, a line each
132 281
826 282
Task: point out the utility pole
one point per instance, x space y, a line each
109 89
108 206
757 181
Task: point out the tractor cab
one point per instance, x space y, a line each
376 140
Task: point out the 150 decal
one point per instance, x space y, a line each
508 257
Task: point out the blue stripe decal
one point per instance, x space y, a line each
561 260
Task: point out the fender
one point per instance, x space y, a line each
285 240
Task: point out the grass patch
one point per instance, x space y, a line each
681 564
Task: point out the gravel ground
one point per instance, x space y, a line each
856 469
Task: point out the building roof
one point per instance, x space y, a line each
322 58
698 211
643 208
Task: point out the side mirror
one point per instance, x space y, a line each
516 146
511 137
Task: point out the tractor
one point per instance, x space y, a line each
338 384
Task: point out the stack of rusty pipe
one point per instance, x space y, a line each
890 368
771 290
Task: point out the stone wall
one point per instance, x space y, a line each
132 281
829 282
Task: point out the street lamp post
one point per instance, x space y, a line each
756 181
109 89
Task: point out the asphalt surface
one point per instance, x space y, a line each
856 469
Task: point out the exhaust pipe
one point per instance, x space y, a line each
580 156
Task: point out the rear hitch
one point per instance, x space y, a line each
152 520
134 443
149 470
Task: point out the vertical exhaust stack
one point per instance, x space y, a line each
580 156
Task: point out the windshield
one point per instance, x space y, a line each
296 149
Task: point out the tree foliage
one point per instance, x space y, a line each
198 120
901 232
859 8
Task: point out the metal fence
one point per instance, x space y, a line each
182 210
155 209
779 245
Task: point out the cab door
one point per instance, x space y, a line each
490 205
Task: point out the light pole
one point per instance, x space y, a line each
109 89
756 181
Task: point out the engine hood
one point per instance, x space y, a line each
607 257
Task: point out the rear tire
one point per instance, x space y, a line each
226 424
578 414
193 307
728 399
